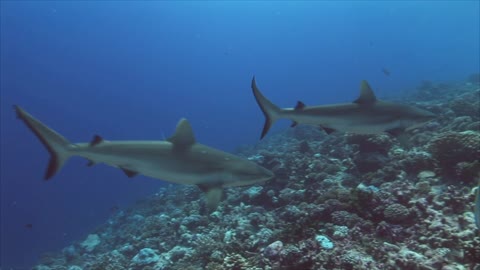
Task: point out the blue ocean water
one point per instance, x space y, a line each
131 70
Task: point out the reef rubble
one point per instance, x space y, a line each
339 201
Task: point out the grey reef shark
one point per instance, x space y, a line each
365 115
179 159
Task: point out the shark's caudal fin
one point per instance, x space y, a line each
271 111
55 143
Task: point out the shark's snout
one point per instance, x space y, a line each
257 174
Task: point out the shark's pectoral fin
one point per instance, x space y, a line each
96 140
366 94
129 173
404 140
327 130
213 195
183 137
402 137
395 131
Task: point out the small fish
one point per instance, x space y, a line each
29 225
114 209
386 71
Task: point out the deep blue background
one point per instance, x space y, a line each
130 70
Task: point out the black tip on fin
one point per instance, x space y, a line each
294 124
269 110
327 130
266 127
129 173
90 163
52 168
268 123
96 140
17 109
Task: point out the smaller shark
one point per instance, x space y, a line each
179 159
365 115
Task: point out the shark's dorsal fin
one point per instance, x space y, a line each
183 136
366 94
96 140
300 106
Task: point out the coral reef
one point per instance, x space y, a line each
342 201
457 152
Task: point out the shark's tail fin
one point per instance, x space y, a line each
271 111
55 143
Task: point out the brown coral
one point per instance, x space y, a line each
467 105
371 143
451 148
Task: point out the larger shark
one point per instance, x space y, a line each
179 159
365 115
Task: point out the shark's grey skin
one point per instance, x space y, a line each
180 159
366 115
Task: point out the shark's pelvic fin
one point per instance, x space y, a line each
327 130
55 143
96 140
366 94
129 173
183 136
271 111
90 163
